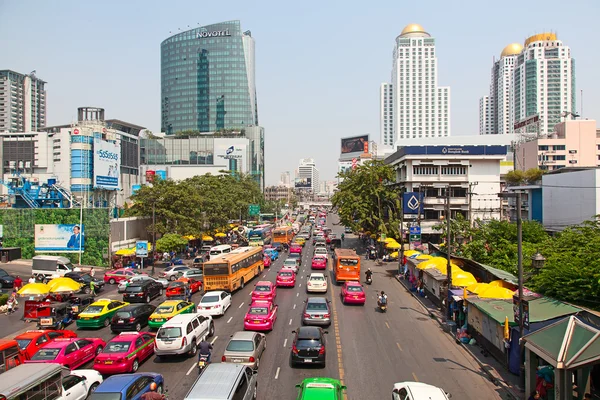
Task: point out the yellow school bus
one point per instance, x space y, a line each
283 234
233 270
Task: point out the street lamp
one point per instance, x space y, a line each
538 261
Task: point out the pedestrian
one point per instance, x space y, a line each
18 282
535 395
92 272
92 288
32 279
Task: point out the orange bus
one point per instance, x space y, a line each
233 270
283 234
346 265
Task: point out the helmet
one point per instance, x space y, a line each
153 386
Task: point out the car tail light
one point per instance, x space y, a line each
252 359
322 350
96 317
131 319
183 342
294 349
140 294
97 361
119 360
223 359
326 316
306 315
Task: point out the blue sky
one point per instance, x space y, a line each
319 63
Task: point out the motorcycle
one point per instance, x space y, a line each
382 306
369 279
202 363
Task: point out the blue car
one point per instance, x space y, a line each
128 386
272 253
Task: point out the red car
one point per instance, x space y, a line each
261 316
70 353
177 288
295 248
286 277
31 341
264 290
118 275
267 261
353 293
319 262
124 353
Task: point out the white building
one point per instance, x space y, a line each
386 114
307 169
285 179
473 173
419 109
485 118
22 102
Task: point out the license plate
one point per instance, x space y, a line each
257 321
159 320
237 361
85 318
307 360
46 321
318 316
262 297
201 363
120 321
108 362
168 341
356 297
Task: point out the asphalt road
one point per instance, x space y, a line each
368 350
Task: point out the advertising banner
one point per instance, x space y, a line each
107 165
64 238
355 144
141 248
412 203
232 154
303 183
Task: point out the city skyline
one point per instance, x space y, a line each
305 106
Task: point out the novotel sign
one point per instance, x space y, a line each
205 34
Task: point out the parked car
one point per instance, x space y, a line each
138 278
80 384
182 333
264 290
69 352
245 348
99 313
6 281
142 291
316 283
121 274
353 293
308 346
124 353
131 318
214 303
128 386
261 316
286 277
85 279
321 388
31 341
172 273
316 311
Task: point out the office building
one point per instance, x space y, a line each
419 108
307 176
208 79
22 102
279 193
285 179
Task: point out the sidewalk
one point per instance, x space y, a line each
494 369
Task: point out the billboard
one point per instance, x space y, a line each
107 164
303 183
355 144
63 238
412 203
232 154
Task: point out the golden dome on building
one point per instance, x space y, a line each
540 37
512 50
412 28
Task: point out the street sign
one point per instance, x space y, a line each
141 248
415 237
253 209
415 230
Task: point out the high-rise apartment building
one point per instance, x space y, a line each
285 179
22 102
208 79
419 108
308 170
534 80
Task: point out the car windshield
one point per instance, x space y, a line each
87 277
105 396
287 274
210 299
164 310
240 345
175 284
263 288
133 289
117 347
123 314
46 354
316 307
93 309
23 343
290 262
317 278
354 289
308 343
259 310
169 333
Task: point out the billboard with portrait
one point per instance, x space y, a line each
107 164
59 238
355 144
303 183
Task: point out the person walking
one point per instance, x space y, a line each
92 288
18 282
31 280
92 272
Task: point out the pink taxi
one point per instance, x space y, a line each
267 261
264 290
319 261
353 293
124 353
261 316
69 352
286 277
295 248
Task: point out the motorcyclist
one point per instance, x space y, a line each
152 394
343 236
204 349
369 274
382 300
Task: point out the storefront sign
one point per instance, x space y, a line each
205 34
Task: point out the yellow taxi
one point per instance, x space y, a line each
99 313
167 310
300 241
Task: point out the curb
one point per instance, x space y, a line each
497 380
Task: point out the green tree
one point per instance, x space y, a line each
171 242
515 177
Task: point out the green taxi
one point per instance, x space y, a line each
99 313
320 389
167 310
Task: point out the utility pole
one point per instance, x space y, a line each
153 233
470 194
520 270
449 259
401 253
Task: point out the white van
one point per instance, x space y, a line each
218 251
182 333
418 391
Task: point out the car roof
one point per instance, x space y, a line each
102 302
128 337
214 292
260 303
170 302
317 300
309 332
264 283
30 334
243 335
216 381
120 381
61 342
353 283
286 270
422 390
320 274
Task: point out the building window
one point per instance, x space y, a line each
559 147
542 148
425 170
559 158
454 170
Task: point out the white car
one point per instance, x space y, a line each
418 391
214 303
80 384
123 284
291 264
172 273
320 251
316 283
182 333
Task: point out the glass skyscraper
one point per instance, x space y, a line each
208 79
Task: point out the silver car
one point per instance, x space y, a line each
245 348
316 312
172 273
123 284
195 273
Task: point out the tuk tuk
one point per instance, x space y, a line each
54 315
79 302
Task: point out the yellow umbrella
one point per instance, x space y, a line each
390 240
497 293
394 254
207 238
189 237
409 253
220 235
503 284
34 289
506 329
424 257
436 262
478 288
392 246
462 278
63 285
125 252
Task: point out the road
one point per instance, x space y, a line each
368 350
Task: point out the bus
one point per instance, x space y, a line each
346 265
42 381
283 234
267 217
219 250
232 271
260 235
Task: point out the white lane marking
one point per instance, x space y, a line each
214 340
229 320
265 275
277 373
241 305
294 306
300 285
290 322
297 294
191 369
285 342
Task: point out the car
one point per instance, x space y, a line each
264 290
214 303
167 310
321 251
272 253
286 277
131 318
278 247
320 388
142 291
85 279
319 261
182 334
308 346
330 237
193 273
245 348
261 316
292 264
128 386
31 341
139 278
172 273
6 281
69 352
177 288
353 293
347 230
295 249
124 353
80 384
99 313
316 311
417 391
299 240
316 283
121 274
